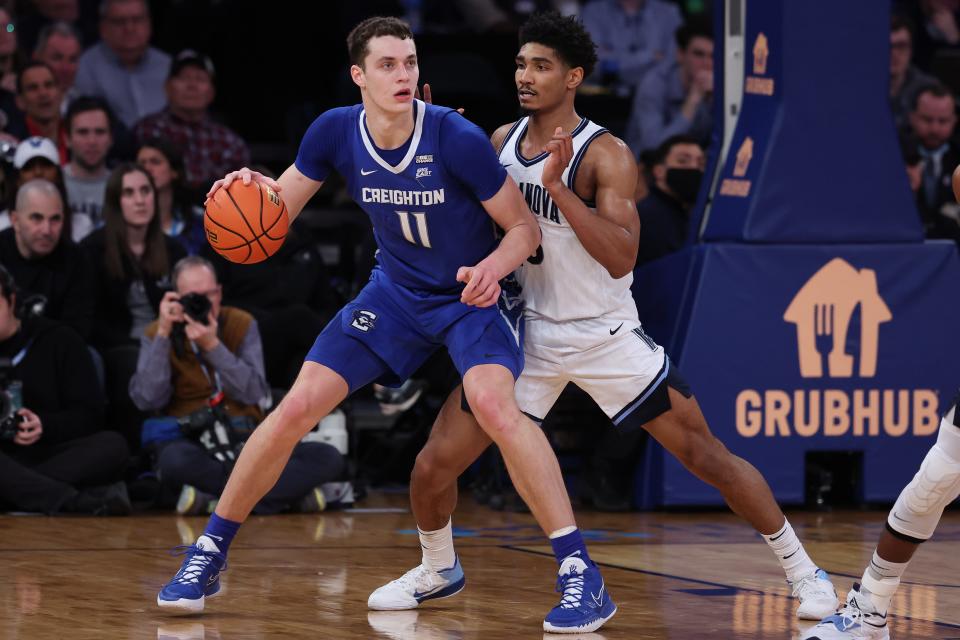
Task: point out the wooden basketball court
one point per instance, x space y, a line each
673 576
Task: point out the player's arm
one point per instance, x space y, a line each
521 231
612 234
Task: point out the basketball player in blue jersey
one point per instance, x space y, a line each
433 188
582 327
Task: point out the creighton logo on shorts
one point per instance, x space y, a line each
363 320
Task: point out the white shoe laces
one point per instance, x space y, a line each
812 586
571 585
198 562
416 580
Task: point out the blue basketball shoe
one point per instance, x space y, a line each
198 578
585 605
417 585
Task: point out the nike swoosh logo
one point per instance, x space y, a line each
366 173
210 535
897 516
613 331
598 600
507 165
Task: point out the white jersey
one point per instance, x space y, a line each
563 281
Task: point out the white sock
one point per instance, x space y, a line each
791 554
880 581
437 547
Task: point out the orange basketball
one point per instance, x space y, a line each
246 223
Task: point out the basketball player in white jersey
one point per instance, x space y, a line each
582 325
911 522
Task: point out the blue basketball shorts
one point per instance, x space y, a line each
388 331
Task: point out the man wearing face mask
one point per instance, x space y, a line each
677 170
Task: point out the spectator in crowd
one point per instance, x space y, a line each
88 126
35 16
55 278
290 295
35 158
59 46
180 218
203 365
131 257
633 37
55 456
676 99
933 120
905 79
210 150
123 68
913 162
677 168
132 260
39 97
10 56
938 26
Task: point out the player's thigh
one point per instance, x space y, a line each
455 441
625 377
683 431
352 359
540 384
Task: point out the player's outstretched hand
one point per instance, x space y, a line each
482 288
428 96
560 149
247 176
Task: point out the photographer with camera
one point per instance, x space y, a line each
54 454
201 366
55 278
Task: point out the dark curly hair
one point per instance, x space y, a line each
565 35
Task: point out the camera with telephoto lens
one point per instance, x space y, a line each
211 427
11 401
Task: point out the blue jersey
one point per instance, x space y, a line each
424 198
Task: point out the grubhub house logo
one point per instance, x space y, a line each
755 83
823 311
738 186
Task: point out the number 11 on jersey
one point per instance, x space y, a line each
421 219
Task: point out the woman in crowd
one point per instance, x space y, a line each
180 217
132 261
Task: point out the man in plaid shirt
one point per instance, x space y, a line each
210 149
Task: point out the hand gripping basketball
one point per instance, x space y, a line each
246 223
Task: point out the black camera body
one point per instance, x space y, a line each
211 427
197 306
10 403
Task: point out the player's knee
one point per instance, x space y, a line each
295 414
496 414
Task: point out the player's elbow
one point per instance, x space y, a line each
619 271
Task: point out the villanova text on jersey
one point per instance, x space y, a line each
424 198
539 201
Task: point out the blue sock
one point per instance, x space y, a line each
221 531
567 545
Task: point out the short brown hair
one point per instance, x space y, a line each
360 36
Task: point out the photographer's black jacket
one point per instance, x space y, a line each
60 383
65 278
